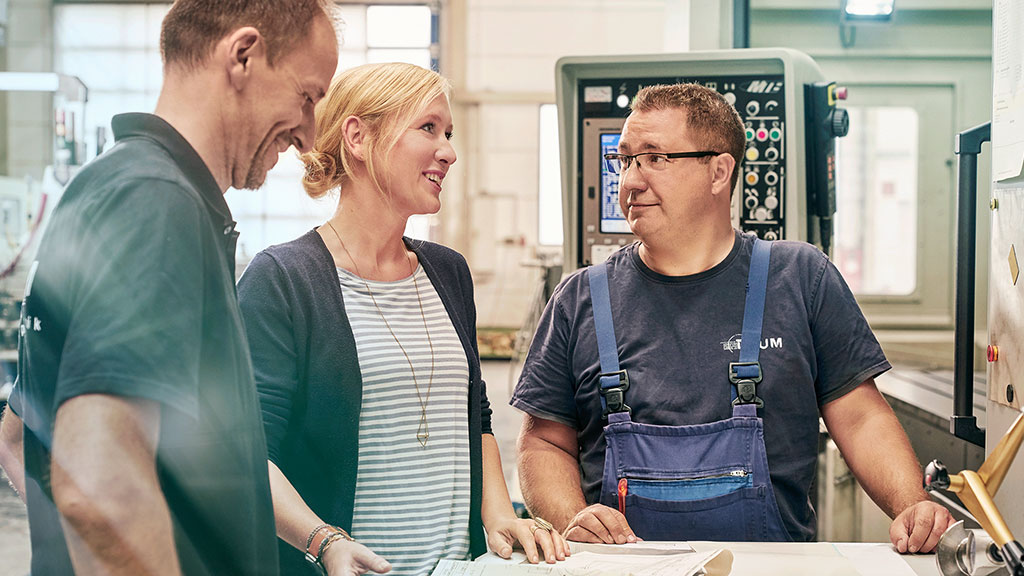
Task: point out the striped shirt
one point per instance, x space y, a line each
411 502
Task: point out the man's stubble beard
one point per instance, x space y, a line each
256 175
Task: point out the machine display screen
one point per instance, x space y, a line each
612 220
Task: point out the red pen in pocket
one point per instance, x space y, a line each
623 488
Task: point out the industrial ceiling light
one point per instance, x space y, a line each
855 12
866 10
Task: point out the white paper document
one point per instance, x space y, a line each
636 548
641 559
1008 89
699 558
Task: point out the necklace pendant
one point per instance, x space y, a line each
422 434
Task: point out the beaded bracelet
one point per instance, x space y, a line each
312 535
333 533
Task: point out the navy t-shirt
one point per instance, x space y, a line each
132 294
676 336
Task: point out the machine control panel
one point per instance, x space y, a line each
758 201
824 123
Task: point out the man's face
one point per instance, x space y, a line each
280 110
659 204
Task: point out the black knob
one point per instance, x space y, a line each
936 476
1013 555
840 122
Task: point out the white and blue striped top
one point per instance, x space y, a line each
411 502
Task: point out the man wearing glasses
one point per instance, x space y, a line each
673 392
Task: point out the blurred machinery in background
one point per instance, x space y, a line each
26 201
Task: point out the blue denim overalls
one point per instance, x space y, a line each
699 482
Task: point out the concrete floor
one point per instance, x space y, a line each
505 422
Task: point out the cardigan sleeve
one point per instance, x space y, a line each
267 309
466 279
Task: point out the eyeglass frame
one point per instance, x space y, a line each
669 155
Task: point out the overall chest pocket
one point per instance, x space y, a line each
686 488
737 516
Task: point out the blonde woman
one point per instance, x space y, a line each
364 349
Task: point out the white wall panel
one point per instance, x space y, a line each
499 121
512 49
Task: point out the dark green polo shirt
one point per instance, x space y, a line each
132 294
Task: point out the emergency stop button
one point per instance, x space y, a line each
993 353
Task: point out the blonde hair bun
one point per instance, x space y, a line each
321 173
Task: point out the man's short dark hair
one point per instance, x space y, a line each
714 123
192 27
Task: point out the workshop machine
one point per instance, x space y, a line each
787 186
994 548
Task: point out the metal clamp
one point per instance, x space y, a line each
746 386
615 396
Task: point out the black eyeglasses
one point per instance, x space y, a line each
656 161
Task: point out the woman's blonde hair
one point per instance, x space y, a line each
387 98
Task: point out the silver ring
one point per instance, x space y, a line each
543 524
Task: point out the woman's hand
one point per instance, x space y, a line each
349 558
528 534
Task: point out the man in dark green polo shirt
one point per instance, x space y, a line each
139 448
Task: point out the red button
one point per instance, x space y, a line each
993 353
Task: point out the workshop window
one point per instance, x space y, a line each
549 200
877 199
114 49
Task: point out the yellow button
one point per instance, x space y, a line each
751 178
752 154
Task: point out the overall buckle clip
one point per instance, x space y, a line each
742 376
615 396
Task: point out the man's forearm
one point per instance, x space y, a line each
896 484
127 535
12 457
550 480
864 427
105 486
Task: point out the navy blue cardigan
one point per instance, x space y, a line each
308 378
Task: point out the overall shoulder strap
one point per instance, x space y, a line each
748 370
614 381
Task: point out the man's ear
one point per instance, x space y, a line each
353 132
239 51
721 174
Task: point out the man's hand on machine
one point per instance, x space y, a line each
599 524
919 527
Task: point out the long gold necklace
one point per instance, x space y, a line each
422 432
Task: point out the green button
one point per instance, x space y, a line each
750 133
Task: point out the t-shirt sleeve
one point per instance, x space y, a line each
267 309
14 401
137 300
546 385
846 350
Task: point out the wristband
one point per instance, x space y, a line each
320 539
312 534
